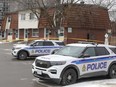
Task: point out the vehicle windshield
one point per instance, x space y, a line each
73 51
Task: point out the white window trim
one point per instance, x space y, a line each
33 32
23 17
32 18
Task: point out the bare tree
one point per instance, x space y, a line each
60 10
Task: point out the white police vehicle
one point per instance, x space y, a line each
75 61
36 48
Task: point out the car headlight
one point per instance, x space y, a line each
57 62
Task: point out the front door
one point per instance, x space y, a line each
41 48
25 34
46 33
92 64
17 34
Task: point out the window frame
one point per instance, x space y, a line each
31 16
97 54
90 55
47 42
113 49
23 16
35 32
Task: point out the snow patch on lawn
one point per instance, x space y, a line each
99 83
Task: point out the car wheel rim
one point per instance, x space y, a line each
113 72
22 56
69 78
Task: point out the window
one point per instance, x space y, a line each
101 51
1 4
9 19
26 33
113 49
9 32
32 16
60 43
22 16
16 33
35 32
48 43
39 43
73 51
90 51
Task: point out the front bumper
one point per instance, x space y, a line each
46 77
52 73
15 53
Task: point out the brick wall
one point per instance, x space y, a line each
14 21
83 19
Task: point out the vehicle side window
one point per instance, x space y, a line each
48 43
90 52
101 51
60 43
38 43
113 49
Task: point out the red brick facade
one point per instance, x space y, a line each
87 22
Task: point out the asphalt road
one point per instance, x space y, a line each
16 73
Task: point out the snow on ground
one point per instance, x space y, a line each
98 83
1 42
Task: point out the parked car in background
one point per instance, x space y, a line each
36 48
75 61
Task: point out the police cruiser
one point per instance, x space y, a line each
75 61
36 48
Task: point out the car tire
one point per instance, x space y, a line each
69 77
22 55
112 71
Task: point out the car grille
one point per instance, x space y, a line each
43 64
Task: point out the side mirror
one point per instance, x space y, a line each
32 45
54 51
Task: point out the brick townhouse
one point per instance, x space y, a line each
86 22
9 26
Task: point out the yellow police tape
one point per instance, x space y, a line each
64 39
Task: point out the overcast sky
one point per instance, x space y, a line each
103 2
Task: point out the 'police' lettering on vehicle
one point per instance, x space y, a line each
96 66
42 51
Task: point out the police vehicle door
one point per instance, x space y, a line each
48 47
92 63
35 48
42 48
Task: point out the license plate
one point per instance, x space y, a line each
39 72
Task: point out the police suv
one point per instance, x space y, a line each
75 61
36 48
